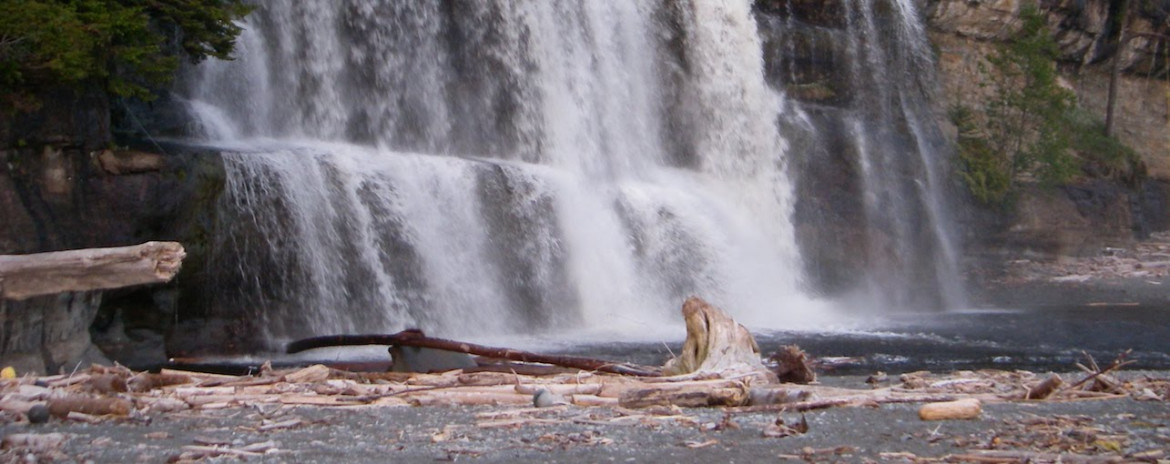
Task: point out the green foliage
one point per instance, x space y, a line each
1031 126
986 171
1028 114
1105 155
118 43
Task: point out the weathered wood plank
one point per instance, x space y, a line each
26 276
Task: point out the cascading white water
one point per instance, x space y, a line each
872 162
901 151
501 166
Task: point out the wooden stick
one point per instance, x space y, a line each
26 276
863 399
97 406
417 338
1116 364
995 456
1044 389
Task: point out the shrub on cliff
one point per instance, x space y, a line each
1031 127
120 45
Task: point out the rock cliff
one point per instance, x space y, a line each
61 188
1093 212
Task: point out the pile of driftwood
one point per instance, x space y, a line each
719 366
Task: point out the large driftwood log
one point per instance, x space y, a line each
417 339
25 276
697 396
715 343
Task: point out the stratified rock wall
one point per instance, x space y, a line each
62 187
1093 213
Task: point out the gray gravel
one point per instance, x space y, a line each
430 434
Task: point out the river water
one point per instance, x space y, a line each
1039 340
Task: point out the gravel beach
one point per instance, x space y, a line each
1112 430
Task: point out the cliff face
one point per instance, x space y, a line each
62 188
1094 212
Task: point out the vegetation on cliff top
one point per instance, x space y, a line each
1031 128
123 46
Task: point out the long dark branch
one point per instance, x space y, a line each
418 339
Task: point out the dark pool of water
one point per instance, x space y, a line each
1034 339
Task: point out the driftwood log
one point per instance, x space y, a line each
416 338
716 344
26 276
966 408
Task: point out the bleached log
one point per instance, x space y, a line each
37 442
594 401
715 343
314 373
561 389
967 408
453 398
16 406
688 397
26 276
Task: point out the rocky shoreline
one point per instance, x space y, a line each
1087 427
1137 275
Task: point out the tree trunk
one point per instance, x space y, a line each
25 276
1115 74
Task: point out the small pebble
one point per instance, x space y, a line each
544 398
38 414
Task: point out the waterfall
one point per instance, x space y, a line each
495 167
865 118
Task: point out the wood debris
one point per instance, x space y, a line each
793 365
966 408
200 452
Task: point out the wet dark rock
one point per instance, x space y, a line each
57 196
47 334
831 13
807 62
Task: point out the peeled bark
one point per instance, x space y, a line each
26 276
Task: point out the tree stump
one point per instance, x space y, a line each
715 343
